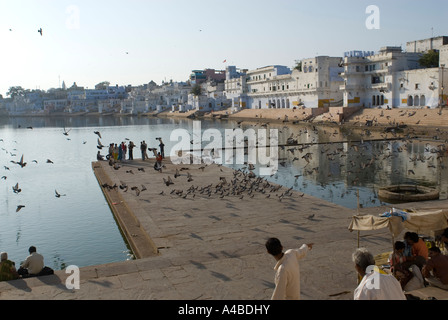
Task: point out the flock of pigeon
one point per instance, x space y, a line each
16 189
22 164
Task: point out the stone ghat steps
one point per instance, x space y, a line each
422 117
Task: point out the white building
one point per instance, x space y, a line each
368 80
394 78
235 87
425 45
316 85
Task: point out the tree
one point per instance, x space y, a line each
196 90
102 85
430 59
298 65
16 91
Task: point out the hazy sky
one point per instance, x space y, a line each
136 41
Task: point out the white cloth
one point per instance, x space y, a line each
287 276
378 286
416 281
34 263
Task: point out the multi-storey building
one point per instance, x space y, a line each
314 85
200 76
394 78
235 87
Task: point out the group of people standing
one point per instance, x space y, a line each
117 152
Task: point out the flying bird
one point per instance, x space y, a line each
16 188
100 145
97 133
21 163
168 182
57 194
40 31
65 133
136 189
19 207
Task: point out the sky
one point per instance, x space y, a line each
135 41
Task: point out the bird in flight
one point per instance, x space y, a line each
21 163
100 145
19 207
168 182
40 31
97 133
57 194
65 133
16 188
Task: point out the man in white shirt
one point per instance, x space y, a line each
375 284
287 276
33 264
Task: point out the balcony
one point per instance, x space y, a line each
380 86
352 87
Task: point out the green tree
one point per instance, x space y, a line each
102 85
196 90
298 65
430 59
15 91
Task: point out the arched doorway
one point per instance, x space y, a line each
422 101
416 101
410 101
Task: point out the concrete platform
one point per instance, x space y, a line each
199 242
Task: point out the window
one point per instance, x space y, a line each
357 68
417 86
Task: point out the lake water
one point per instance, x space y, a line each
78 228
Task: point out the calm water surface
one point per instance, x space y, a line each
78 228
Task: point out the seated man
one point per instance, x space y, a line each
436 269
374 285
419 249
99 156
32 265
